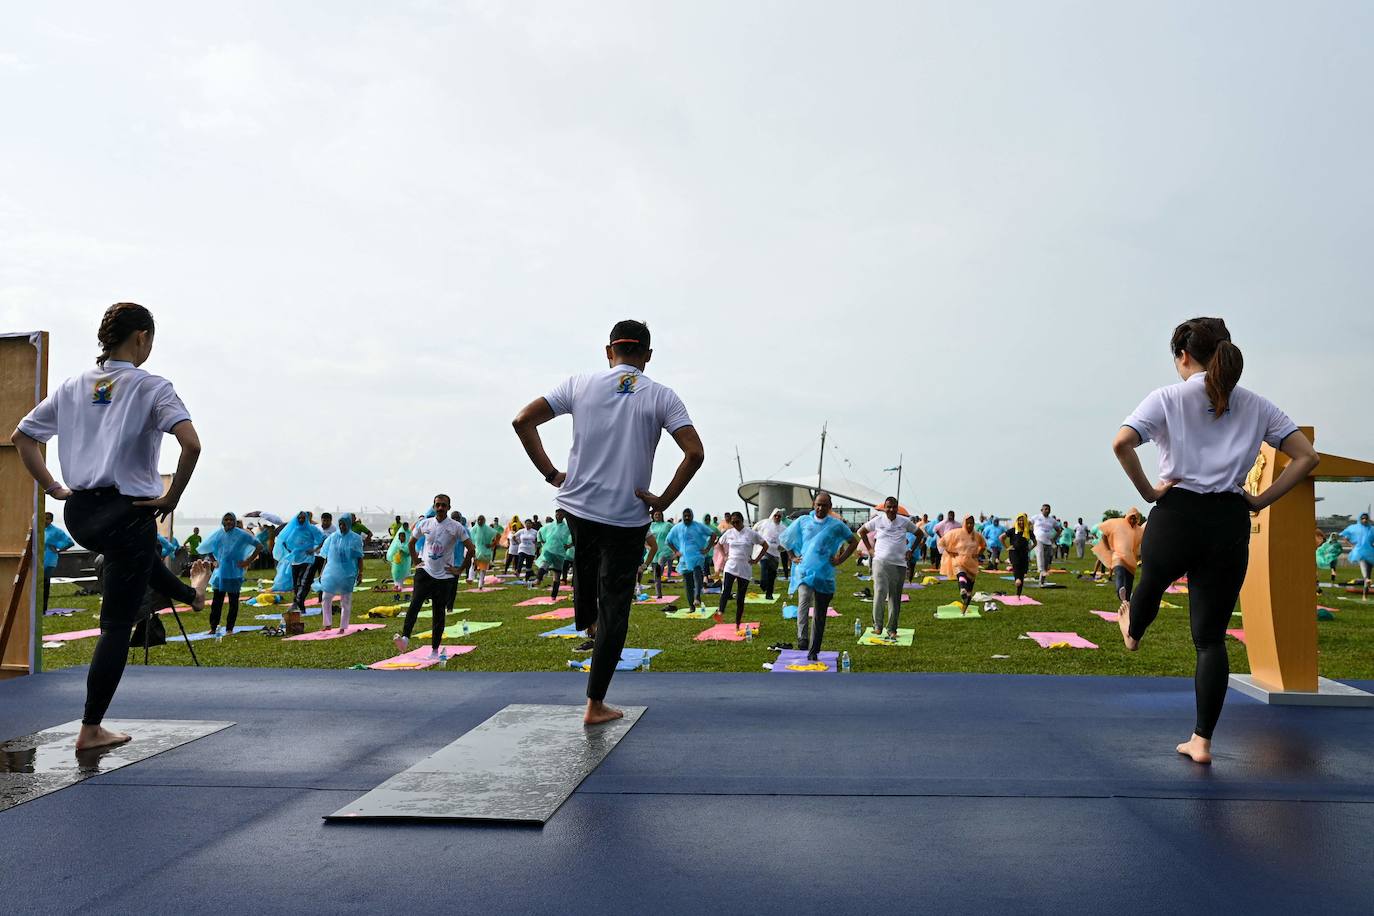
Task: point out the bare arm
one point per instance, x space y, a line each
1304 459
693 456
1124 445
31 453
849 547
863 535
185 433
526 424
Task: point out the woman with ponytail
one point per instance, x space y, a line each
109 422
1208 431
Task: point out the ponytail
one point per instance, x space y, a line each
119 322
1208 342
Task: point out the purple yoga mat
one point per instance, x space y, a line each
798 657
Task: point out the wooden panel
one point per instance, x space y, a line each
23 382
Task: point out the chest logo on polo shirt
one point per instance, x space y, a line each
103 393
626 384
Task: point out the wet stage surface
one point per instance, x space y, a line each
732 793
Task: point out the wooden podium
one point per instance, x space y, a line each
1278 600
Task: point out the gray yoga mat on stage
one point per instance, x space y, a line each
517 766
34 765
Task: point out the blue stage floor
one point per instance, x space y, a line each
733 794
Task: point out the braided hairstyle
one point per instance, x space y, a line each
120 321
1208 342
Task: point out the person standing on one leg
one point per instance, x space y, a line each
555 539
109 422
814 540
436 576
1208 431
300 541
771 530
1119 551
739 544
890 531
55 542
1046 529
961 548
1080 539
1328 555
398 555
992 533
233 550
483 542
660 552
343 554
1018 540
1360 537
618 416
691 541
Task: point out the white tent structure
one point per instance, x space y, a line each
792 493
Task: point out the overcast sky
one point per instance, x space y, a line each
958 232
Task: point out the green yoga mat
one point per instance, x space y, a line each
688 614
904 637
455 631
760 599
429 614
954 612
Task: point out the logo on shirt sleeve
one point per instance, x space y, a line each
103 393
626 383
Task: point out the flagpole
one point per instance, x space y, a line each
899 478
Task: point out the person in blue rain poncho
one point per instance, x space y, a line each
691 542
818 542
555 540
1360 536
343 555
300 542
233 550
992 533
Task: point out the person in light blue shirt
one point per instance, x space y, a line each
343 554
691 542
55 541
234 550
301 540
819 542
992 533
1360 536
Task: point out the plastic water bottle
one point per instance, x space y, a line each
844 663
858 627
465 626
219 636
644 662
748 634
443 655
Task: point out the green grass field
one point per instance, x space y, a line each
940 645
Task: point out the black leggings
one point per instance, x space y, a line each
217 602
302 578
604 588
731 580
109 524
1207 537
768 566
440 593
1123 578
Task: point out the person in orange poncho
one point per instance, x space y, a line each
1119 550
960 549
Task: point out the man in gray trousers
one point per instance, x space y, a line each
889 530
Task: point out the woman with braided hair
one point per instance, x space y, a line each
109 422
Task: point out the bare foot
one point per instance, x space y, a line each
598 712
200 578
1123 617
94 736
1198 748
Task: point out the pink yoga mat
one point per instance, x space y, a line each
1073 639
1109 616
666 599
416 659
334 634
1176 590
1238 634
541 601
1015 601
563 613
726 632
486 588
71 635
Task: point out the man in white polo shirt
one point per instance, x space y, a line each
618 415
1046 528
889 529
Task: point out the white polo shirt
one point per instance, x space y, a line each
109 424
1044 527
889 537
618 416
1203 454
740 545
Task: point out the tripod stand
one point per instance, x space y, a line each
180 626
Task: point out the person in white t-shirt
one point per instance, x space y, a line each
109 422
436 577
1046 528
771 529
889 530
739 544
1208 432
525 540
618 415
